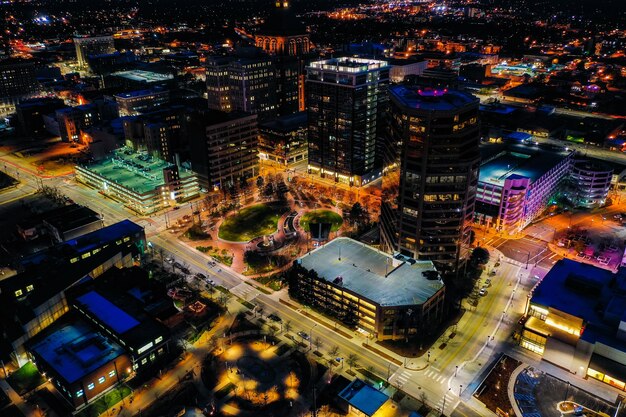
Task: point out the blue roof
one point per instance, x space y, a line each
363 397
107 312
559 289
75 350
107 234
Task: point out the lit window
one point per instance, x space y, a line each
29 288
86 255
158 340
101 380
18 293
144 361
111 374
73 260
91 386
79 393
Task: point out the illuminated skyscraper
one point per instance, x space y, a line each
346 103
429 191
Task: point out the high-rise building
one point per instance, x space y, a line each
346 104
283 36
92 45
224 148
17 81
429 190
244 82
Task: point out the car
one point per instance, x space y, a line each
304 335
488 282
201 276
482 292
177 265
618 216
274 317
492 273
185 270
169 260
210 281
175 208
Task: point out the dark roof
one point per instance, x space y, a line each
71 217
286 123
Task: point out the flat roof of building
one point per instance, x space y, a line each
528 161
363 397
139 172
111 315
373 274
144 76
431 99
349 64
75 350
71 217
141 93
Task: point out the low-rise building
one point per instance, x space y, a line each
140 101
141 182
516 183
81 362
363 400
35 298
385 296
576 319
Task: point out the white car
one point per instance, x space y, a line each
482 292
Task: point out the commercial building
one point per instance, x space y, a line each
346 102
429 187
285 38
70 222
243 82
516 184
402 68
590 183
284 139
387 297
576 319
224 148
92 45
363 400
139 181
17 81
81 363
73 119
139 80
141 101
161 133
31 112
34 298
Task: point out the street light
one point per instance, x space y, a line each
460 389
456 370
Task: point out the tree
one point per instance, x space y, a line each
287 326
333 351
352 360
317 342
480 256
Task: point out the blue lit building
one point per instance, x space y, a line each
576 319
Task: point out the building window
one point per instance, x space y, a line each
144 361
111 374
91 386
158 340
79 393
101 380
18 293
29 288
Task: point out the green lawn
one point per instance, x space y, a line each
105 402
251 222
26 378
321 216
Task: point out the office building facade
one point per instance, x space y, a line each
17 81
224 148
429 187
92 45
346 103
284 140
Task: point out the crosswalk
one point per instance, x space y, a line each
400 377
245 291
435 376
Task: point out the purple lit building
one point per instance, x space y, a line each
516 184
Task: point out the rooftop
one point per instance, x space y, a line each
110 314
71 217
74 350
144 76
135 171
363 397
431 100
141 93
349 64
528 161
373 274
